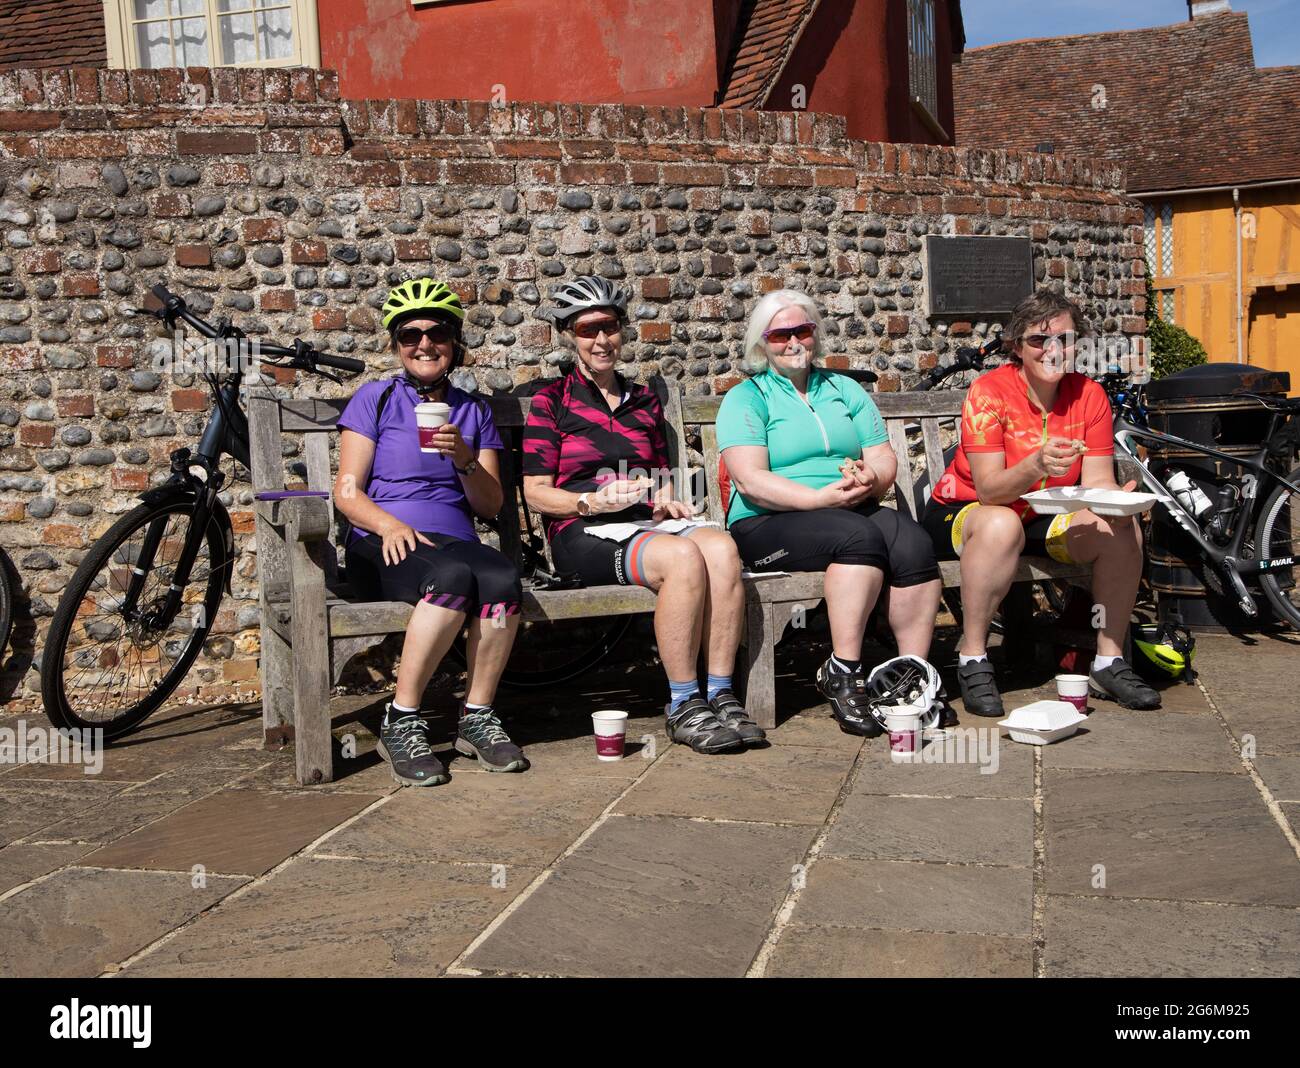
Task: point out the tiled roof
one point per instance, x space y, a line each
766 34
1185 105
52 33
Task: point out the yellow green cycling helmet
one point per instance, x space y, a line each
421 297
1163 650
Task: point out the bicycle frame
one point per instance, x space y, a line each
1128 430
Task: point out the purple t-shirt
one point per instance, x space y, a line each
421 489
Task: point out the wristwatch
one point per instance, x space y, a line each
584 505
468 469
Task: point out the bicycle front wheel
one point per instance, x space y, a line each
108 666
1277 535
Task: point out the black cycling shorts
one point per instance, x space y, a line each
811 541
465 576
600 562
1044 534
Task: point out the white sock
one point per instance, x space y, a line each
1101 663
400 710
963 659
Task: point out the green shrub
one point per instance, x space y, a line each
1172 348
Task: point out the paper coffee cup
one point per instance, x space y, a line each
904 725
1073 688
428 417
610 728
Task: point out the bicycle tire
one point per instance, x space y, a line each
7 577
58 704
1271 542
588 657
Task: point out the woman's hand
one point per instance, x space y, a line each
842 495
672 510
447 440
1118 522
619 494
1057 456
400 539
859 473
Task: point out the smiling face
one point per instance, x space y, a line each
1046 349
426 360
790 354
600 352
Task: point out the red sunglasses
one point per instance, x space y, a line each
781 335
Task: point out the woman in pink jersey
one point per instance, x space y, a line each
595 453
1028 425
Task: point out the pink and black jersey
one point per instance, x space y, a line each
572 434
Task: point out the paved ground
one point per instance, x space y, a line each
1153 843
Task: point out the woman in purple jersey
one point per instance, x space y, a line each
413 531
595 453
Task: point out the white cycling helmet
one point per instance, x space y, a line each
904 680
585 293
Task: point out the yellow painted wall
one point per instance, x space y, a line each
1204 274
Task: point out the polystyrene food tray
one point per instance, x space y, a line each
1061 499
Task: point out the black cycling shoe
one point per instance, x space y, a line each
847 694
1121 683
731 713
696 724
481 735
979 688
947 714
404 743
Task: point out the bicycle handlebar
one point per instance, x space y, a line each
302 354
967 358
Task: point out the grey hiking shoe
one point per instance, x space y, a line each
731 713
481 735
404 743
979 688
1121 683
696 724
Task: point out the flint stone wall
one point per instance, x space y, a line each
262 196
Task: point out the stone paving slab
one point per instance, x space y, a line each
340 918
22 863
29 807
960 774
489 818
652 896
911 896
753 785
1254 686
1185 836
81 920
236 832
1281 774
116 818
958 830
846 952
1096 937
1122 739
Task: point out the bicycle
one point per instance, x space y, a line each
1251 530
135 614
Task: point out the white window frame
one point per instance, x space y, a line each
923 62
119 22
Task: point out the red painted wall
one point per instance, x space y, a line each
852 61
583 51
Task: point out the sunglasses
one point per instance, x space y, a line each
409 336
1042 341
781 335
595 327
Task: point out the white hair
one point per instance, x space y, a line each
767 309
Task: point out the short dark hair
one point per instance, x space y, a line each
1044 304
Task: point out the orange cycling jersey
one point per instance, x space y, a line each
1000 416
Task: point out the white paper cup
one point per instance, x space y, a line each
428 417
904 727
610 728
1073 688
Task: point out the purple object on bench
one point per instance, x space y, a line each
279 495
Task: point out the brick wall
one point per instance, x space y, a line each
260 195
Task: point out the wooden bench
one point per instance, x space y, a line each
313 624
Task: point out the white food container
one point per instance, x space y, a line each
1042 722
1061 499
